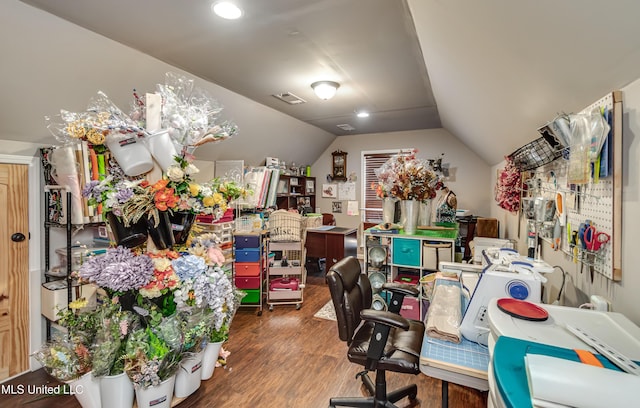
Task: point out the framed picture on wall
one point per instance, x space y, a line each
330 191
336 207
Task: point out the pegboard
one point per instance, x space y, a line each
599 200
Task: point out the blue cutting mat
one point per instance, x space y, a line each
467 354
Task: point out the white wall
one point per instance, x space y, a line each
49 64
624 294
470 173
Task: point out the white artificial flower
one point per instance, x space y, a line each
175 174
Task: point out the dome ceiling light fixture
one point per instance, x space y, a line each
325 89
226 9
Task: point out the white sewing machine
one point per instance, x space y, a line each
506 274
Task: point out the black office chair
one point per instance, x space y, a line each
378 340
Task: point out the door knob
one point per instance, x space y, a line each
18 237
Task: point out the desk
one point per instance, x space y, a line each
332 244
465 363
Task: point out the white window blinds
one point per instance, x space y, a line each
372 204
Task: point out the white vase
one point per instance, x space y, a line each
424 217
188 377
87 390
388 209
116 391
158 396
162 149
410 211
209 359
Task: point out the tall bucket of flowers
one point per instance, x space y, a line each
195 323
115 324
151 361
411 180
193 198
206 289
111 195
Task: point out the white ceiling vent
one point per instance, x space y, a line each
290 98
347 127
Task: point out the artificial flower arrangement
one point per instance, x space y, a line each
69 358
153 353
154 307
507 189
194 197
110 341
380 190
406 177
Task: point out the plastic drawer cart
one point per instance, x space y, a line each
249 267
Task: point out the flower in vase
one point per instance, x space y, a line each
110 192
163 283
406 177
152 355
380 190
197 198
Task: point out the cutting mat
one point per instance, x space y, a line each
466 358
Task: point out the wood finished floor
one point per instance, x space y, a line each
284 358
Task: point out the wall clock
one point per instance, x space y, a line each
339 165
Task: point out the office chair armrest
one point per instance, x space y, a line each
386 318
398 292
401 288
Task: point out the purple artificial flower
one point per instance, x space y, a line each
118 269
89 189
124 194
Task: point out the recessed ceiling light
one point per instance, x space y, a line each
226 9
362 114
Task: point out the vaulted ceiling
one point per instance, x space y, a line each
489 72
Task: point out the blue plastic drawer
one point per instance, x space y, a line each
247 241
406 251
248 255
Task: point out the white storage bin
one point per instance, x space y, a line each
54 297
433 254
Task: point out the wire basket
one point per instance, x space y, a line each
285 226
311 221
244 224
535 154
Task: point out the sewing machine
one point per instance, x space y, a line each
506 274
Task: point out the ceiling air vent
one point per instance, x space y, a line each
347 127
290 98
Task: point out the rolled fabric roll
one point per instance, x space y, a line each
65 172
444 316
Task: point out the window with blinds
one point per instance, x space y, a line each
371 161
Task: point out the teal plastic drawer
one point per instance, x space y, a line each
406 251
